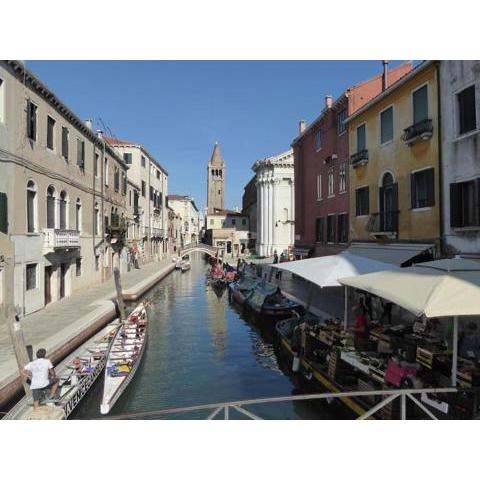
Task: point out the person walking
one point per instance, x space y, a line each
42 377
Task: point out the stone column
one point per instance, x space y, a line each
269 217
275 216
259 218
292 211
263 216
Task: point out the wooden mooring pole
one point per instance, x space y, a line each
118 286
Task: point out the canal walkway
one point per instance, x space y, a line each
62 325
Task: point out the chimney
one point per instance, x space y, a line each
89 124
328 101
301 126
99 134
385 75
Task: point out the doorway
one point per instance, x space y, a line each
48 284
388 204
63 276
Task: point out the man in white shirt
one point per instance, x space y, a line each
42 376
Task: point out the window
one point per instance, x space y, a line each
466 110
158 174
65 143
361 138
31 206
212 221
342 177
63 210
420 104
386 125
50 133
124 183
31 276
342 228
2 101
151 193
130 198
143 161
96 220
3 213
144 187
128 158
105 171
464 205
51 210
97 262
341 117
80 154
78 267
233 221
318 140
331 182
362 201
319 229
319 187
331 228
422 188
78 215
116 179
95 164
244 221
31 121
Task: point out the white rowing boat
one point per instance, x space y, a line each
185 266
124 357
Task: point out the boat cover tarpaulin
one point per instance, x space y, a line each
248 283
260 293
441 288
325 271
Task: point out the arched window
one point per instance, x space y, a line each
96 220
213 172
51 207
31 206
63 210
216 173
78 215
387 180
220 173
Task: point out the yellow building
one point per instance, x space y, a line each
394 162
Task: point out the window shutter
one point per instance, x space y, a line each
430 187
455 206
381 196
395 215
3 213
413 190
29 119
477 200
357 203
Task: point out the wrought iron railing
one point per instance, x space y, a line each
383 222
358 158
422 129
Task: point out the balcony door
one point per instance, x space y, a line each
388 196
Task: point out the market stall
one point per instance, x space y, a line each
437 289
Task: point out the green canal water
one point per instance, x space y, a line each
202 350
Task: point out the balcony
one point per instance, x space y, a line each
419 131
153 232
383 224
117 228
137 210
58 239
359 158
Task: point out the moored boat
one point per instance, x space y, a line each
185 266
242 288
124 357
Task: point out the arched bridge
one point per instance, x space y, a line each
198 247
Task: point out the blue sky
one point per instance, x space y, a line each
178 109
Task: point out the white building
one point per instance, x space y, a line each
228 230
152 179
184 206
275 203
460 124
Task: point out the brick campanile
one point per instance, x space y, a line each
216 181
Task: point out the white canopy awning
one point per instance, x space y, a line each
395 253
325 271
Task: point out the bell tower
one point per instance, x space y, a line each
216 181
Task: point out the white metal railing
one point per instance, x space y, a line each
58 238
389 396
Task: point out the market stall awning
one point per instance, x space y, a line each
325 271
440 288
394 253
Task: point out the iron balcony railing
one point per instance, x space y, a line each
420 130
359 158
55 238
383 222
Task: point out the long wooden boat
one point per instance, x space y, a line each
267 300
77 373
124 357
242 288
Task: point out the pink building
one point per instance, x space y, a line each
321 169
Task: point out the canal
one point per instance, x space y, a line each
202 350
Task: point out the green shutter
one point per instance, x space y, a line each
3 213
430 187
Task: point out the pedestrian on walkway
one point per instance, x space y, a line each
42 377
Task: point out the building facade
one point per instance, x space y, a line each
152 179
249 208
275 203
64 193
321 153
184 206
394 162
216 181
460 114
